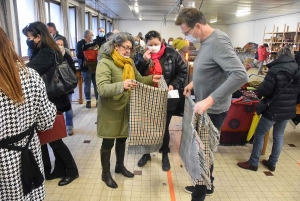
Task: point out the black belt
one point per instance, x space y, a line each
31 175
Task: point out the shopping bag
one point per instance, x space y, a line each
58 131
253 126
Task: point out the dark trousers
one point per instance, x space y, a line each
199 192
165 146
64 161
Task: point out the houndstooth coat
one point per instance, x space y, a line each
16 119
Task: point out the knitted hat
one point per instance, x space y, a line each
179 44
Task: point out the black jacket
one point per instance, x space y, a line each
100 41
297 57
79 55
281 71
58 36
42 61
173 67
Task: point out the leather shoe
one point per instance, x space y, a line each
247 166
142 162
88 104
270 167
67 179
108 180
120 168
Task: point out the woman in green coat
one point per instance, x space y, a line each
114 76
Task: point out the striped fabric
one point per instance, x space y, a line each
199 140
148 110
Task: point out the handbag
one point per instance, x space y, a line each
59 79
57 132
263 104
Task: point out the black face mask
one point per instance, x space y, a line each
31 44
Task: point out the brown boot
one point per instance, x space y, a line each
247 166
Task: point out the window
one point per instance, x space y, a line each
47 11
26 15
72 25
95 24
53 14
87 24
108 26
102 24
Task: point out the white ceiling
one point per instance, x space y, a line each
224 10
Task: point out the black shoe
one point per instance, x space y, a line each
270 167
211 191
142 162
120 168
189 189
54 176
165 162
66 180
88 104
108 180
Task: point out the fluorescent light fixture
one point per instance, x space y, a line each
130 7
136 9
242 13
191 4
140 18
213 21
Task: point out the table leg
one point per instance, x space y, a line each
265 143
80 81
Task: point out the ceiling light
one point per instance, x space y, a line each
140 18
136 9
213 21
242 13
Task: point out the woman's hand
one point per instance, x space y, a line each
171 88
128 84
156 78
147 55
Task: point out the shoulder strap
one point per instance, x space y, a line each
55 57
297 73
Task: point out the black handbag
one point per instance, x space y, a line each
263 104
59 79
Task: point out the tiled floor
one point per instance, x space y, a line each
231 183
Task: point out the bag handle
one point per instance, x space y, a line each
55 58
297 73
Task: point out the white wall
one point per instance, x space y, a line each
170 30
253 31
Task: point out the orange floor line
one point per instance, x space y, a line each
171 186
299 163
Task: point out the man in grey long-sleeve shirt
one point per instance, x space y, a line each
218 73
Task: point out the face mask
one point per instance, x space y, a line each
101 34
126 57
154 49
52 34
171 43
136 42
192 39
31 44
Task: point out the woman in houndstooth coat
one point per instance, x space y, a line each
24 107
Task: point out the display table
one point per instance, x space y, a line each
80 81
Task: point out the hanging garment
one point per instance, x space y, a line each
199 140
148 110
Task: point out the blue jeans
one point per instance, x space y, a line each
89 77
263 127
69 114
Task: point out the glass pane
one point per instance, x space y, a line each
26 15
95 25
87 21
102 24
72 25
47 11
55 17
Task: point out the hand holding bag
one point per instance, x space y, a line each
59 79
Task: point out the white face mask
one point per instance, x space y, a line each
192 39
126 57
52 34
62 49
171 43
154 49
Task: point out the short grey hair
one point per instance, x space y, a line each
86 33
118 39
285 51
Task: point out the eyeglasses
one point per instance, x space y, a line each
127 48
186 33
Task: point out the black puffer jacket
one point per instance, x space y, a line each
173 67
80 55
281 71
41 61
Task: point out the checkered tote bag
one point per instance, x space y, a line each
148 110
199 140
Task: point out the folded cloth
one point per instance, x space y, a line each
148 110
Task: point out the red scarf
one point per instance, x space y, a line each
157 69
